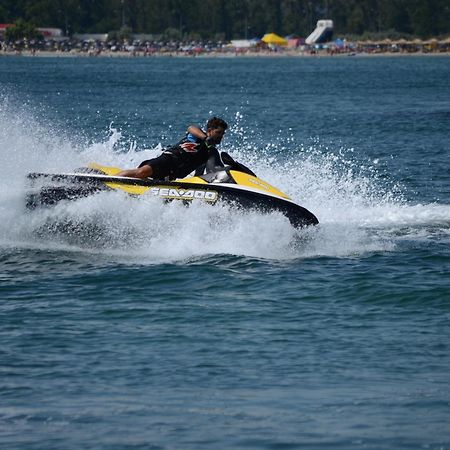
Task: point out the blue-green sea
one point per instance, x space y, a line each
214 328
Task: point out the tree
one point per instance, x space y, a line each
355 22
233 18
21 30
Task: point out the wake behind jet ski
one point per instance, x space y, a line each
232 184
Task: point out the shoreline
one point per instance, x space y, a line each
283 54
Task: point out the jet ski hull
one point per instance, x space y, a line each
50 189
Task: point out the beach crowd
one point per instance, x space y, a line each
295 47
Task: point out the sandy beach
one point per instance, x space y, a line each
221 54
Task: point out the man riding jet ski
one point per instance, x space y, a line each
225 180
195 151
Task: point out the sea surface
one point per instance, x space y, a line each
213 328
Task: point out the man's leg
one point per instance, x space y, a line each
140 172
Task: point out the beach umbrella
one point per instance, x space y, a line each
272 38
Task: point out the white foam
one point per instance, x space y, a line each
359 211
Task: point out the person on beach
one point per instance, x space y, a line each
196 151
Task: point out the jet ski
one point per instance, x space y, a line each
233 184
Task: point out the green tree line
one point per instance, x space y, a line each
227 19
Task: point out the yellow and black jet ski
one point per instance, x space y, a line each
233 184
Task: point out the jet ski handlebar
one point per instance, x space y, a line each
234 165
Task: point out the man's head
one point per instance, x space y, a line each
215 129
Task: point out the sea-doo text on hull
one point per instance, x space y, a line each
233 184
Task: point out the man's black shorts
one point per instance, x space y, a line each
163 166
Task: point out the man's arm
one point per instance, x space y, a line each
197 132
